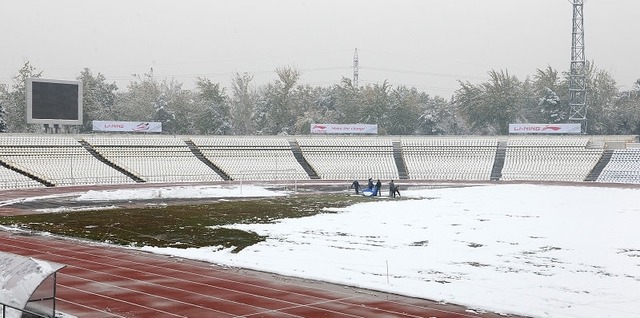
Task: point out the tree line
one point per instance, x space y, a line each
286 107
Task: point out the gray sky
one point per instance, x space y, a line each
427 44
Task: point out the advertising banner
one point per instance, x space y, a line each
344 129
545 129
127 126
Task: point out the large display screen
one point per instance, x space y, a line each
54 102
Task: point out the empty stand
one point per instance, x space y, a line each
34 160
57 159
251 157
153 158
623 167
350 158
10 179
549 159
449 158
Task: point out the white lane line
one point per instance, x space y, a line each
120 250
62 300
145 265
135 291
122 301
158 285
312 306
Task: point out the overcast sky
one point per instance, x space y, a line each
427 44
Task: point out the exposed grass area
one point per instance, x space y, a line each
181 226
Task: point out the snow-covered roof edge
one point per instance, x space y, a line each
22 276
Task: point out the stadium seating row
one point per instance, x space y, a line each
59 160
12 180
62 160
549 163
623 167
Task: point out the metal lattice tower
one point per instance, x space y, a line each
578 71
355 69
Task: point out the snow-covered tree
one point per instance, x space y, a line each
148 99
626 112
438 117
243 104
15 100
215 118
316 105
552 107
348 103
601 94
491 106
138 102
163 114
375 105
98 98
3 123
403 112
279 104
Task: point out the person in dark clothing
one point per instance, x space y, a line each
396 190
356 185
370 184
392 189
378 188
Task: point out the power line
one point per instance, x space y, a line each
454 76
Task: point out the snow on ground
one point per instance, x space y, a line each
37 198
178 192
542 251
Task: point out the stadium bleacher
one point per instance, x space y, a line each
35 160
623 167
549 159
449 158
58 159
350 158
251 158
153 158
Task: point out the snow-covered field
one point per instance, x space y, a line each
542 251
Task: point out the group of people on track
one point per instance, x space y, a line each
375 189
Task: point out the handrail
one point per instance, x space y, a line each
24 311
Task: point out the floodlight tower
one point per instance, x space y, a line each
355 69
578 71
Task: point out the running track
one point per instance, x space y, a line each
107 281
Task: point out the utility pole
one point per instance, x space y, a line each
578 71
355 69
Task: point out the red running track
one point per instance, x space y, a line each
109 281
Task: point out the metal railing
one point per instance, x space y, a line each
29 314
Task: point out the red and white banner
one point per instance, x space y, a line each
545 129
127 126
344 129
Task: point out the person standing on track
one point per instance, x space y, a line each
392 192
393 189
356 185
